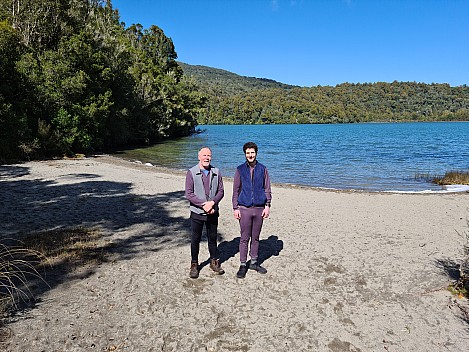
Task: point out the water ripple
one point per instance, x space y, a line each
368 156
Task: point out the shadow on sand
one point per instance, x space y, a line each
35 206
269 247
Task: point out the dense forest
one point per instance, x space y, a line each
246 100
75 80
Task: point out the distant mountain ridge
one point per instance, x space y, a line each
234 99
210 76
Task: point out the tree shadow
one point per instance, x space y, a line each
12 171
132 225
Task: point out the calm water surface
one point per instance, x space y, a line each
368 156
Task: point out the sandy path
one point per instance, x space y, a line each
347 271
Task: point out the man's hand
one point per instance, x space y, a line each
266 212
237 214
208 206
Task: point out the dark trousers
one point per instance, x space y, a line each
197 226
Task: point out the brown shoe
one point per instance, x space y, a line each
215 266
194 273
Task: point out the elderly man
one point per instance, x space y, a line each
204 190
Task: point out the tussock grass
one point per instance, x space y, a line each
453 178
18 265
424 177
29 259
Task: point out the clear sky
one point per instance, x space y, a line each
316 42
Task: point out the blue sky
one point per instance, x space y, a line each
316 42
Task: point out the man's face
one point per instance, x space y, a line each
250 155
205 157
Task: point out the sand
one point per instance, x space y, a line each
347 271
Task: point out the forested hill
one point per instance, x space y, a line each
235 99
229 82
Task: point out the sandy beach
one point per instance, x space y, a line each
347 271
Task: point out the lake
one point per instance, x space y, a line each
364 156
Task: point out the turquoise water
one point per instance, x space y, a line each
368 156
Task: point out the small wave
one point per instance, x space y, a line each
456 188
445 189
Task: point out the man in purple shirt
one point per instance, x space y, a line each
251 200
204 190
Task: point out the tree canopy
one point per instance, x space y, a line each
75 80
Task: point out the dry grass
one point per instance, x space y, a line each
70 247
453 178
17 266
27 260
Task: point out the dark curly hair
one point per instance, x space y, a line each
250 145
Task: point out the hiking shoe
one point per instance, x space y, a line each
194 273
258 268
215 266
242 272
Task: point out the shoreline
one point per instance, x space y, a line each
347 271
461 188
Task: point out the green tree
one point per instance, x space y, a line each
76 80
13 108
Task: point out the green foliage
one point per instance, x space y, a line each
247 100
13 111
80 82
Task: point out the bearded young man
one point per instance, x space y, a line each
251 200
